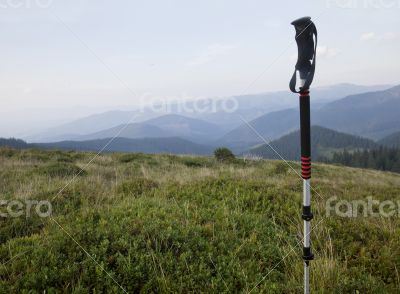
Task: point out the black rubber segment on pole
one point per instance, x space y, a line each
305 126
307 214
305 135
307 254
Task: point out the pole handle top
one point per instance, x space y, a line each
306 39
301 21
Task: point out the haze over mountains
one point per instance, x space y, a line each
373 115
215 111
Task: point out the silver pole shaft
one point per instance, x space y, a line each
306 278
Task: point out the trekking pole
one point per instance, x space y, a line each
306 39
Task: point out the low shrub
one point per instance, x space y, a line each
61 169
137 187
280 168
137 158
7 152
194 162
224 155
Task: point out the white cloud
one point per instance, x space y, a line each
388 36
327 52
210 54
27 90
323 52
367 36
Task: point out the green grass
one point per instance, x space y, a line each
164 223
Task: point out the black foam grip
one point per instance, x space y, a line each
306 51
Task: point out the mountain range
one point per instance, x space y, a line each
223 114
324 143
170 125
373 115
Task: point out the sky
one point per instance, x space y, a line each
62 59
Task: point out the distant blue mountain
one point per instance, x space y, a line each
171 125
186 127
373 115
130 131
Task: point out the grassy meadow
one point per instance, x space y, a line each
181 224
